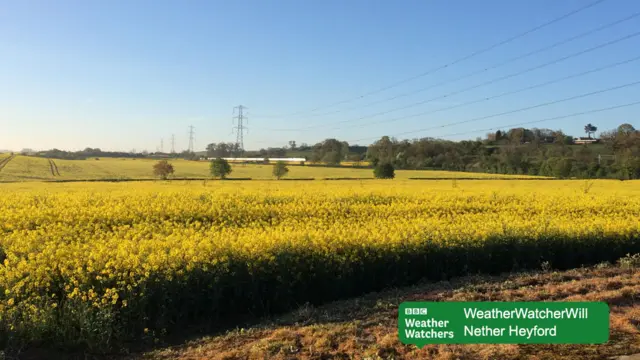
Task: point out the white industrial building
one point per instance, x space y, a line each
262 160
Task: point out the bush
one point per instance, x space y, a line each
630 261
280 169
220 168
384 171
163 169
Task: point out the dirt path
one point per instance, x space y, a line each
53 167
5 161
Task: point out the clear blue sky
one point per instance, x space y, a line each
122 75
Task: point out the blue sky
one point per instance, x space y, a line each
122 75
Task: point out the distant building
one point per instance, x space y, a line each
262 160
583 140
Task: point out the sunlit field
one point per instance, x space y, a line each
23 168
91 264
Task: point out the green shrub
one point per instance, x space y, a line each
280 169
384 171
220 168
630 261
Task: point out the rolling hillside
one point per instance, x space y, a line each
25 168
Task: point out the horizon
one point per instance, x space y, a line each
120 76
140 151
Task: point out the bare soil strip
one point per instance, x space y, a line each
51 168
54 168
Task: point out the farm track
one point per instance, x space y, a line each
5 161
54 168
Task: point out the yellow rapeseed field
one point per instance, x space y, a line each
93 264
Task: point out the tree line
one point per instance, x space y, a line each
524 151
88 153
521 151
546 152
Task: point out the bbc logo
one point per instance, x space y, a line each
415 311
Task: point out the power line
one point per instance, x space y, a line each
173 143
519 57
476 53
564 78
556 61
514 111
161 145
240 128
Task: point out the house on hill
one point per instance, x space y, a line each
585 140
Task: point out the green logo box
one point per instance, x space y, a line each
424 323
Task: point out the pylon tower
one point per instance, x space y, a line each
239 127
191 135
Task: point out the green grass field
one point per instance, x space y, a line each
25 168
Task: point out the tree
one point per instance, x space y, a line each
590 129
163 169
292 144
516 135
332 158
280 169
330 151
384 171
188 155
626 129
562 167
276 152
220 168
221 150
382 151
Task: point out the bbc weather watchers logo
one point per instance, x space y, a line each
415 311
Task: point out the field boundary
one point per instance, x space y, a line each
283 179
346 178
487 178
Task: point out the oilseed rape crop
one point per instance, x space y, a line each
93 265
